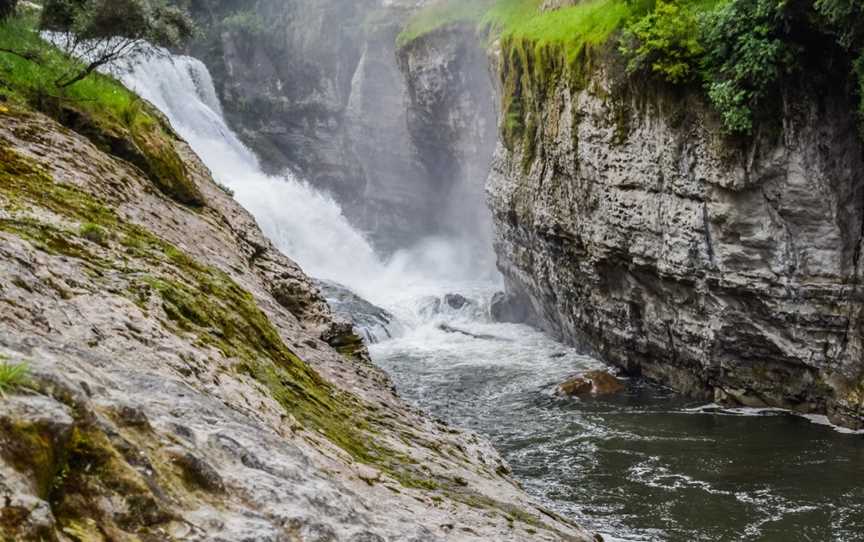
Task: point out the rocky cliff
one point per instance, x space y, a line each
315 87
728 269
186 380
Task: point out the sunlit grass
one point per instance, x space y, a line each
442 13
591 22
32 81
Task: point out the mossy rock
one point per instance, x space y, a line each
143 141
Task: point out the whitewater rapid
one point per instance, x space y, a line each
645 465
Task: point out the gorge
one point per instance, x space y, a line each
190 382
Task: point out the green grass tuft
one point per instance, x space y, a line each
32 81
12 376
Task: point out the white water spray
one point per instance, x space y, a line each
304 223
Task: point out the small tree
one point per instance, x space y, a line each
101 32
7 8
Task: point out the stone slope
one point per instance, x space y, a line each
729 270
187 381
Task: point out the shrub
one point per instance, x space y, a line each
747 51
664 42
103 31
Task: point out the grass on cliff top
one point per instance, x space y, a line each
440 14
590 22
31 82
99 107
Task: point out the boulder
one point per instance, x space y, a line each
592 382
456 301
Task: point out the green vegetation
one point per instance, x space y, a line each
98 106
568 30
93 233
664 42
12 376
104 31
738 51
7 8
441 14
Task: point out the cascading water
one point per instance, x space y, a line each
644 465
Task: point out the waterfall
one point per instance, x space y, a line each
305 224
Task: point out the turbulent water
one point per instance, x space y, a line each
645 465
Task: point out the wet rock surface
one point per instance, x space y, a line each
182 381
723 269
590 383
372 322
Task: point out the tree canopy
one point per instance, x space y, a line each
103 31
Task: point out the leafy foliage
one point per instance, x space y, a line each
7 8
741 50
103 31
664 42
747 53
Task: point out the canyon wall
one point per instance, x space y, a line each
632 228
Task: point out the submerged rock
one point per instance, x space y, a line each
456 301
592 382
484 336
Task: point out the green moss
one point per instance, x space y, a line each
204 302
98 107
30 448
93 233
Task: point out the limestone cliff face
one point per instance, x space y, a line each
187 382
452 120
728 270
315 87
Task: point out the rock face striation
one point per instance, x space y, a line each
632 228
188 382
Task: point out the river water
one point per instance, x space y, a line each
642 465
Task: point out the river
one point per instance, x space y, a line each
643 465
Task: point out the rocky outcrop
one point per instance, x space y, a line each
186 381
452 120
729 270
315 87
